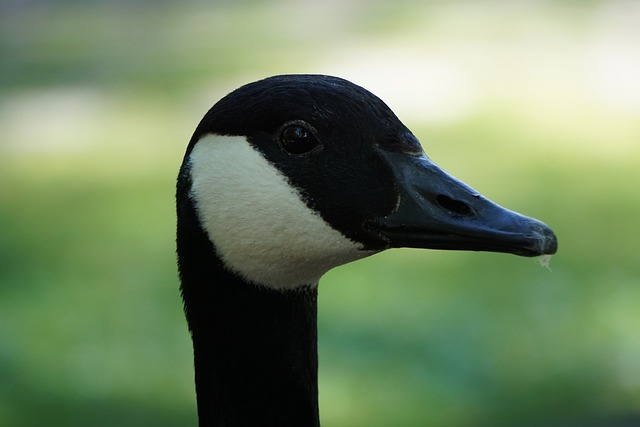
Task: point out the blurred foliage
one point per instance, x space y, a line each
536 104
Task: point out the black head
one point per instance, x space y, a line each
354 164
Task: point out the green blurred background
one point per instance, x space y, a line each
534 103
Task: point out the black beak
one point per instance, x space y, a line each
437 211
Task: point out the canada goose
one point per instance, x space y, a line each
284 179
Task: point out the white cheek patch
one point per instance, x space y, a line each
257 221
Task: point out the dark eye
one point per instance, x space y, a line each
297 139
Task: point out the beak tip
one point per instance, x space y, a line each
551 244
546 241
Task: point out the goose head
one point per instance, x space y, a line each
293 175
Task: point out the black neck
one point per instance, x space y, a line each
255 348
256 359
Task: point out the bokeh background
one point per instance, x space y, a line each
534 103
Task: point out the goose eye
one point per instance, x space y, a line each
297 139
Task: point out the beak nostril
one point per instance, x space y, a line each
454 206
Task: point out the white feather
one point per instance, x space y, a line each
257 221
544 261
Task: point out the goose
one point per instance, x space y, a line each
284 179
